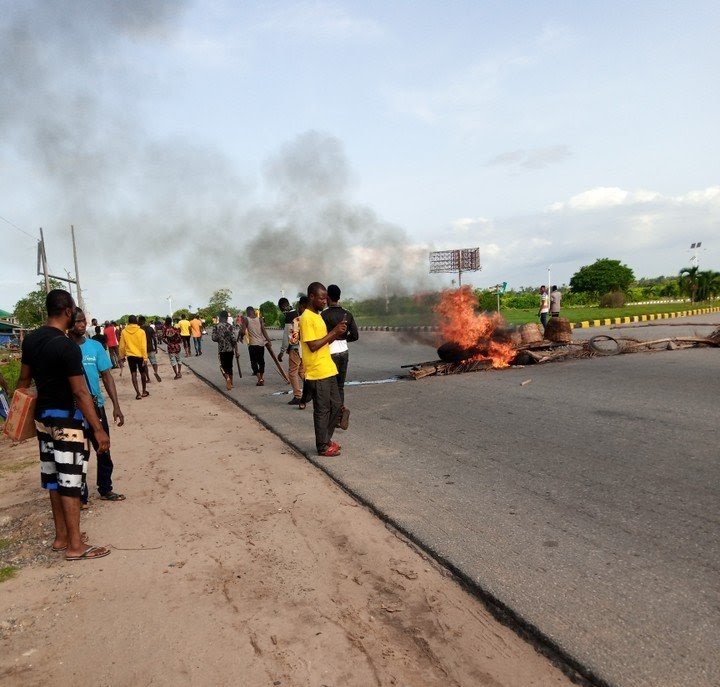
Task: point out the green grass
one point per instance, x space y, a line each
574 314
7 572
11 372
4 544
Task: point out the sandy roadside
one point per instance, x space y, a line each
235 562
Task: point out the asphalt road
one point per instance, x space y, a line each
586 501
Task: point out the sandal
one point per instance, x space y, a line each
145 393
112 496
90 553
138 397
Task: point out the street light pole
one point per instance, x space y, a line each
169 300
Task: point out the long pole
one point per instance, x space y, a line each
43 257
81 302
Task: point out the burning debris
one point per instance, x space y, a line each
479 341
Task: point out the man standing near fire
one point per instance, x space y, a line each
555 298
544 306
320 370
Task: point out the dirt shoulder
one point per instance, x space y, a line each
235 561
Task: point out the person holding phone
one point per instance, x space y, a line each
320 370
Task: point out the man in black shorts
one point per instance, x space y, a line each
133 346
63 411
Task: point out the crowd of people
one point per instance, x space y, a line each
70 363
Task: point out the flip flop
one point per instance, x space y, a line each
138 397
112 496
90 553
145 393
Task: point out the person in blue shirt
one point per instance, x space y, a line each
97 365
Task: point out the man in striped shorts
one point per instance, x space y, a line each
63 410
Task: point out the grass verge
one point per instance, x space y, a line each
7 572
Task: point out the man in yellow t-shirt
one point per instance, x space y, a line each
320 371
184 328
196 327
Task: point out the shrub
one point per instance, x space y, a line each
580 299
614 299
521 301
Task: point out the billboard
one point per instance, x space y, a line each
460 260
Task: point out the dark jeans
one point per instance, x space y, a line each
104 462
543 319
341 362
197 342
326 409
257 359
226 363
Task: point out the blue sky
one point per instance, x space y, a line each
258 146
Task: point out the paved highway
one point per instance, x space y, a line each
585 501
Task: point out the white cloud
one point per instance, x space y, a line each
534 158
604 197
466 224
645 229
320 20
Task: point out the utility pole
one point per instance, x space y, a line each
81 302
42 268
68 279
42 260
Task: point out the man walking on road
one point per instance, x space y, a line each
173 343
223 334
63 411
333 315
111 335
151 337
184 328
196 327
255 327
97 365
133 345
320 370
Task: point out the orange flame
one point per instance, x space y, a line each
460 324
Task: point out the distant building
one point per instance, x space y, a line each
8 326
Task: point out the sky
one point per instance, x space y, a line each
259 146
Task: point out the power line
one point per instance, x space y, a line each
34 238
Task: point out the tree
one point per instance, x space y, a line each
271 313
689 281
708 285
219 301
602 276
30 311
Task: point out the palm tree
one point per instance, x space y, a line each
689 281
708 284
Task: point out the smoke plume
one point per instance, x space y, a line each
167 209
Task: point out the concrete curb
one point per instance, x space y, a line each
606 322
585 324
